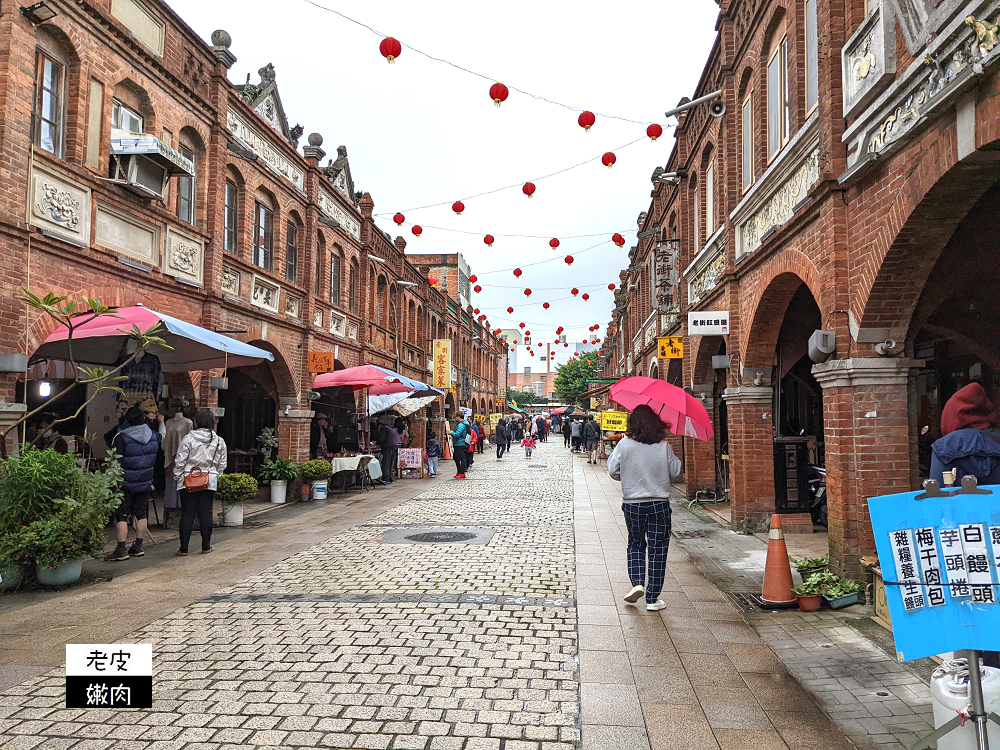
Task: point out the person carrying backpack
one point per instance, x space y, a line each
590 439
433 453
473 442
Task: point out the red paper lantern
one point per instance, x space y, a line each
432 282
569 260
585 296
611 287
654 131
574 291
473 278
517 273
520 325
476 311
565 344
510 309
545 305
498 93
477 289
528 189
586 120
458 207
527 292
399 219
515 342
553 243
597 341
390 49
608 159
618 239
599 351
417 230
560 329
488 239
527 334
589 362
482 317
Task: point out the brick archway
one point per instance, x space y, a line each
280 370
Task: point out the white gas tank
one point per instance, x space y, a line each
950 694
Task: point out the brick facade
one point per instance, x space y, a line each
871 210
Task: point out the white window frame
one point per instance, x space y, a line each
118 112
747 138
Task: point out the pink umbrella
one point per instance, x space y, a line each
379 381
683 412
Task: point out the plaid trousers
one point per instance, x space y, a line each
648 525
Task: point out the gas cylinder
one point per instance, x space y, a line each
950 694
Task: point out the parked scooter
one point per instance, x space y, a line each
817 492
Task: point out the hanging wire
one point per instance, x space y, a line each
472 72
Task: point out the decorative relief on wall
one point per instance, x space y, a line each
338 324
265 294
328 205
869 64
778 209
705 280
318 318
263 148
60 205
229 282
293 305
352 331
183 257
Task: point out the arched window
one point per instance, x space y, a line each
187 185
411 315
234 184
52 59
320 256
263 230
354 291
293 229
778 101
380 301
746 131
336 281
812 57
697 213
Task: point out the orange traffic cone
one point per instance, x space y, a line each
777 570
447 448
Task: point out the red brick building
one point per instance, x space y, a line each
847 188
229 225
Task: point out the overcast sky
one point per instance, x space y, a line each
420 132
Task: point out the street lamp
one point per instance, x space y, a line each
38 13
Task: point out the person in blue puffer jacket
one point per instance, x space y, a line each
136 446
971 441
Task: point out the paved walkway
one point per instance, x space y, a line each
331 629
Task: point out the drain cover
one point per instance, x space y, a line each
439 537
688 534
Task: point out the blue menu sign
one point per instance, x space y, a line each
940 558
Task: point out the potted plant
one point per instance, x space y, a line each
279 471
838 592
809 594
317 472
807 566
234 490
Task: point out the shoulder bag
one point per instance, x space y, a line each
196 479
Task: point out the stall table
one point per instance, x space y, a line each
356 464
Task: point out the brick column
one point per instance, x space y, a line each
293 434
867 445
699 459
751 453
9 414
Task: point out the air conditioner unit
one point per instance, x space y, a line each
140 175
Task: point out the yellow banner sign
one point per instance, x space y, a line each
614 421
442 363
495 420
670 347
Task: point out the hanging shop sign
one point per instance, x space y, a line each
614 421
940 553
442 364
708 323
670 347
466 411
322 362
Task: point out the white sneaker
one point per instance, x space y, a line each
656 606
635 594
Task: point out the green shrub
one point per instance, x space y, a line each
236 488
33 484
280 469
316 470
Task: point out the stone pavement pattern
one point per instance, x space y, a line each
345 640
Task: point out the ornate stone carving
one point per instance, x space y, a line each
293 306
778 209
706 279
263 148
352 331
318 318
986 34
265 294
229 282
184 256
329 205
294 134
60 205
338 324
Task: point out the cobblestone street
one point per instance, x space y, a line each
369 639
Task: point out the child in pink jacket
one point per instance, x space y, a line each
528 443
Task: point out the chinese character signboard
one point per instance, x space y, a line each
665 275
614 421
321 362
670 347
109 676
495 420
442 364
940 556
708 323
410 458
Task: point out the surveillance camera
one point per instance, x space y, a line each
718 108
885 347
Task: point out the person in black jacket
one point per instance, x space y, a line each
136 446
387 442
503 438
590 439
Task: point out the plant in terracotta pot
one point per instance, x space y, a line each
234 490
279 471
317 472
809 594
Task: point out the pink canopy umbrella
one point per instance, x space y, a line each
683 412
378 380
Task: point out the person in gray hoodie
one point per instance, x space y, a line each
644 463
